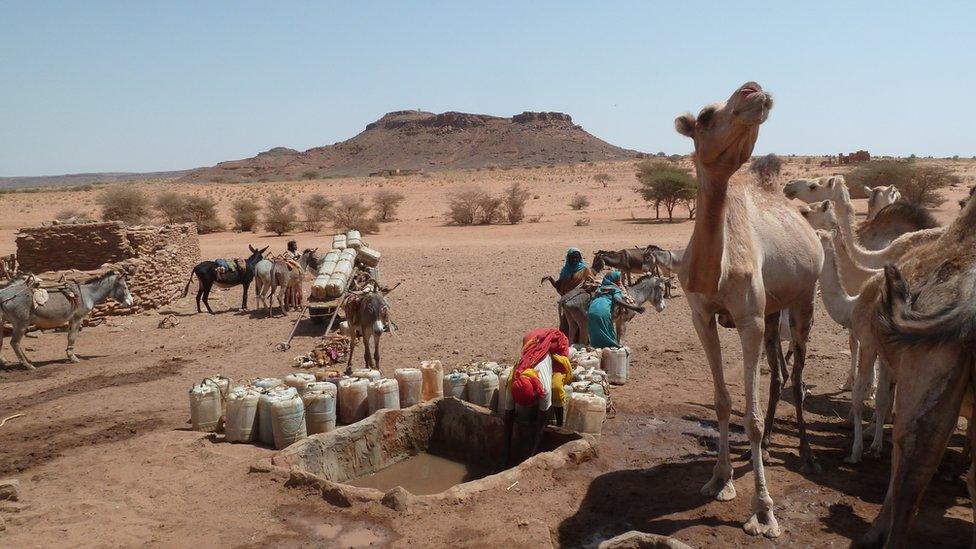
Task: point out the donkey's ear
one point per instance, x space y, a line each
249 247
264 249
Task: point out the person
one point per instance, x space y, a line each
573 273
599 315
293 250
537 384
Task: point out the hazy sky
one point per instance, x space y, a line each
144 86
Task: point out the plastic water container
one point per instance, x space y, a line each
266 383
242 414
326 268
368 256
589 387
320 407
353 400
433 379
205 406
354 239
586 413
456 385
287 419
265 423
411 382
299 381
367 374
504 391
339 241
224 383
383 393
587 359
615 363
483 389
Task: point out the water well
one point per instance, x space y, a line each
440 449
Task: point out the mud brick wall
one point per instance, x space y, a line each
82 246
159 261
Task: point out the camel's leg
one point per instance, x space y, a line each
971 474
853 345
801 320
882 408
720 485
774 357
926 411
15 337
73 328
866 356
762 520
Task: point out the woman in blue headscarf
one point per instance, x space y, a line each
573 273
599 316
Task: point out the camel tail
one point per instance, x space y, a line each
901 322
186 289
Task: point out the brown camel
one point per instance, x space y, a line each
751 256
922 316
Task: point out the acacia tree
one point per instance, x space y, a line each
666 184
386 202
919 183
279 214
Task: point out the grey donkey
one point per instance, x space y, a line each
647 289
69 305
628 261
368 315
272 278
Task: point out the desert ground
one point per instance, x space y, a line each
105 455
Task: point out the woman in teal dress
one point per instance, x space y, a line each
599 316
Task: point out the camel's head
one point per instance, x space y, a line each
820 215
725 133
826 238
879 197
815 190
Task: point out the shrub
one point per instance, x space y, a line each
579 202
311 174
245 214
490 208
169 206
583 222
535 218
464 206
122 203
202 210
515 198
918 183
279 215
767 168
315 208
69 214
665 184
386 202
604 178
352 212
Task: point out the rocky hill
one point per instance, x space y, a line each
421 141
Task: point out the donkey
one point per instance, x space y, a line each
648 288
69 305
273 277
628 261
663 263
368 315
206 273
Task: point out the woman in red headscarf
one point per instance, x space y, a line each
538 380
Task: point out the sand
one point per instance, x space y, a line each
105 455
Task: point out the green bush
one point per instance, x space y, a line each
918 183
579 202
516 196
279 214
315 209
245 214
123 203
386 202
666 184
352 212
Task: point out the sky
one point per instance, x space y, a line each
100 86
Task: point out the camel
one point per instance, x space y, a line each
822 215
751 256
879 197
888 224
921 315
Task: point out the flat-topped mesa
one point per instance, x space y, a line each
530 116
395 119
457 120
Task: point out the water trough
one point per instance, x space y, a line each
436 451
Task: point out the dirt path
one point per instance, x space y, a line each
105 456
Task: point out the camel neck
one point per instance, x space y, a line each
839 305
706 249
845 213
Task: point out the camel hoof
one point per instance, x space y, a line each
853 459
874 453
747 455
718 490
762 523
74 359
27 366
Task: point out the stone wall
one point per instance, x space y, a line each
82 246
158 258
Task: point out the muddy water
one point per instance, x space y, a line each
422 474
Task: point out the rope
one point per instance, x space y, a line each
6 419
